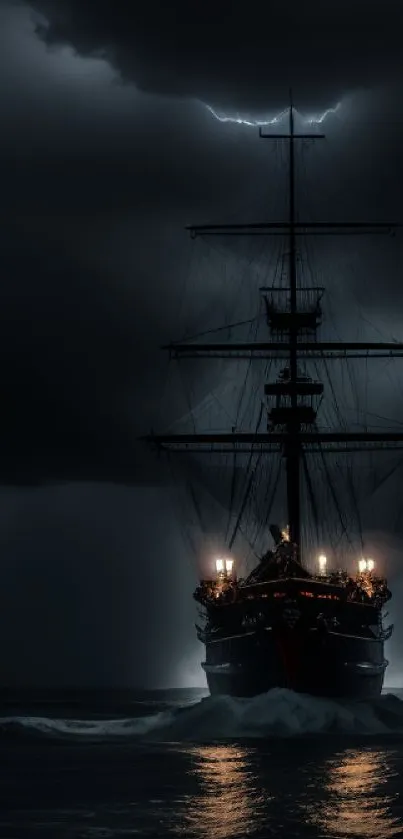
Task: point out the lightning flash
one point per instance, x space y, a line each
276 120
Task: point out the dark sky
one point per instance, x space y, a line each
106 151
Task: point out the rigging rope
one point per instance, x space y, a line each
270 503
249 485
243 505
311 493
355 502
220 329
333 494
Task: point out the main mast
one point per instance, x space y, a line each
293 335
292 446
288 321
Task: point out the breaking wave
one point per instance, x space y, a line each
279 713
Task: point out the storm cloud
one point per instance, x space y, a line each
236 56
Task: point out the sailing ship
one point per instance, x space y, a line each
285 624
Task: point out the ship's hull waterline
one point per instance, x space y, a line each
334 665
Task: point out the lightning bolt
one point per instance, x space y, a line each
276 120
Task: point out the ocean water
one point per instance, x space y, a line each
181 764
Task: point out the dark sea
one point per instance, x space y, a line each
181 764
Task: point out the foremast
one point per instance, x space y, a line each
292 419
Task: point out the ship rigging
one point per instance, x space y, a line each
293 317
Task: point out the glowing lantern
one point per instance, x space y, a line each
322 561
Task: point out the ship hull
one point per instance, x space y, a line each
331 665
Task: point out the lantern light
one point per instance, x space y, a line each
322 561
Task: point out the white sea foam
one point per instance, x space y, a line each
279 713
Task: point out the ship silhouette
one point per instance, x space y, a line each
317 631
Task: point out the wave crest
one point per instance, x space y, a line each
279 713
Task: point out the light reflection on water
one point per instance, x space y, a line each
244 791
229 802
355 804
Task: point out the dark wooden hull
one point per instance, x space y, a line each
329 664
303 634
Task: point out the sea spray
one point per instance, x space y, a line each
279 713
